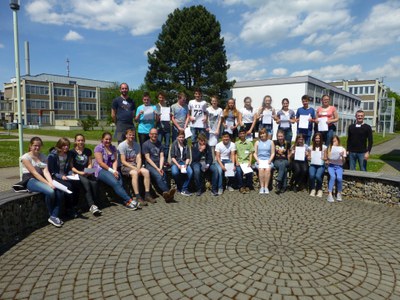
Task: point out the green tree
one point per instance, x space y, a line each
189 53
396 96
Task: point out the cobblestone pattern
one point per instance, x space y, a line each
229 247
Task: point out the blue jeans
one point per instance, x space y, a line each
221 175
179 177
357 156
239 178
316 173
160 181
288 134
115 183
196 132
166 135
336 173
281 165
327 135
198 176
53 198
216 177
268 127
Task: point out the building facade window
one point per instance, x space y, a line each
87 94
87 106
368 105
36 89
34 119
63 92
37 104
64 117
64 105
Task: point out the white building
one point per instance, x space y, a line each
294 88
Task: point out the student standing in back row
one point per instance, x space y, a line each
198 114
308 113
179 115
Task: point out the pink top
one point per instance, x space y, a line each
326 112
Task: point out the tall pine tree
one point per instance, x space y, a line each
189 53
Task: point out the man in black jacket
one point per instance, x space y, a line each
359 142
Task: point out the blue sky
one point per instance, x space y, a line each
109 39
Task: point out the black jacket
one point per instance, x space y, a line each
53 164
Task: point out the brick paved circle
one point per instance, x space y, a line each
233 246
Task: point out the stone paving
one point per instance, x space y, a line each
229 247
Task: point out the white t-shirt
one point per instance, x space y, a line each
197 109
225 150
247 115
41 162
214 115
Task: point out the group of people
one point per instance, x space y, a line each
214 152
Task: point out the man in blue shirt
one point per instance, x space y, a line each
305 111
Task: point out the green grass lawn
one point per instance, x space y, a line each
6 136
89 135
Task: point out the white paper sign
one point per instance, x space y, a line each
284 123
229 170
204 166
246 169
263 164
335 152
300 153
148 113
303 121
229 124
165 113
267 117
61 187
249 137
183 170
322 125
73 177
316 158
188 132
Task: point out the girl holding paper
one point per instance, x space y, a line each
214 122
231 119
327 116
82 165
335 156
264 153
316 156
266 114
106 164
59 165
299 163
285 118
248 118
180 158
37 175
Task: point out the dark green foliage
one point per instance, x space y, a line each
89 123
189 53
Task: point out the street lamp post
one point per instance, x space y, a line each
14 5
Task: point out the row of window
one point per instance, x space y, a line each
362 90
87 106
368 105
59 105
62 92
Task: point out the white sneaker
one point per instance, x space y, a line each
319 194
339 197
266 191
95 210
230 189
220 191
261 191
330 198
312 194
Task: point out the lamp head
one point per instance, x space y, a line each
14 4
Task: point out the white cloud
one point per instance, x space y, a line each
334 72
151 50
139 17
325 39
1 45
296 55
390 69
73 36
279 72
248 69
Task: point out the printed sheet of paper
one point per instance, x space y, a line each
229 170
148 113
263 164
300 153
165 113
249 137
267 118
73 177
203 166
61 187
246 169
188 132
183 170
303 121
316 158
229 124
335 152
285 123
322 125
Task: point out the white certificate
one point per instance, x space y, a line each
322 125
89 170
213 139
204 166
183 170
303 121
148 113
316 158
267 117
188 132
61 187
285 123
246 169
249 137
263 164
229 124
229 170
73 177
165 113
198 122
300 153
335 152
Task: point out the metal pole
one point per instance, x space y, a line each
18 86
